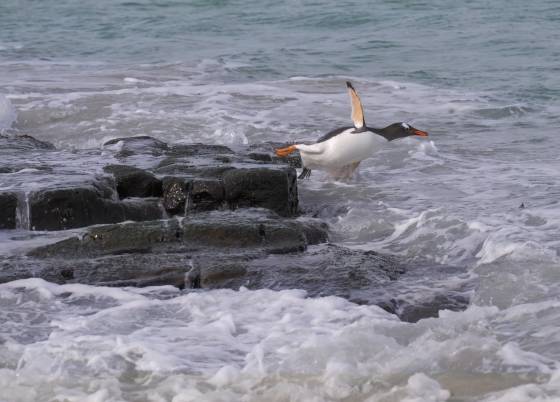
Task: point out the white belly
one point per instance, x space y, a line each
343 149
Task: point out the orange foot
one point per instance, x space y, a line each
283 152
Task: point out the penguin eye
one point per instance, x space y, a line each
405 126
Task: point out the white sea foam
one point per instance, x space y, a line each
7 113
227 345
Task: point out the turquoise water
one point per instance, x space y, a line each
507 46
482 77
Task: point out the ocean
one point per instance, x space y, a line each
480 193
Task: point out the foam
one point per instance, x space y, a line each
224 345
7 113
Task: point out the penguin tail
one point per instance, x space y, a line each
283 152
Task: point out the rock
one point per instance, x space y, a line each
205 195
175 194
216 230
183 196
177 168
143 144
23 142
111 270
129 237
322 270
274 189
134 182
264 152
198 150
66 208
8 210
273 235
145 209
414 312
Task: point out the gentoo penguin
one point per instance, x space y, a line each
341 150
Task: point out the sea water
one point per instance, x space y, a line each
480 193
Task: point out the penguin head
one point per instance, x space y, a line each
401 130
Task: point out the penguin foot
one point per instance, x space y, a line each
283 152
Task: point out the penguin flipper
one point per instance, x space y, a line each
357 109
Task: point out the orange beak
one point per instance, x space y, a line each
420 133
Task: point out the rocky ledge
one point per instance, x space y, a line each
142 212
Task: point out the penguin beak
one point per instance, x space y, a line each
419 132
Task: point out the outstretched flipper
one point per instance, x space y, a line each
357 109
305 174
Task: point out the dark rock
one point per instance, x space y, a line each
322 271
67 208
274 189
267 158
177 168
182 196
141 209
172 166
198 150
175 194
142 270
205 195
142 144
272 235
133 237
217 271
134 182
413 312
110 270
8 210
224 230
23 142
264 152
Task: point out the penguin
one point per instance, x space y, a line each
341 150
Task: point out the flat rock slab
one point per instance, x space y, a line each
225 230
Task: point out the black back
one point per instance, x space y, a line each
391 132
333 133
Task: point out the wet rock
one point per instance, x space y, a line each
66 208
264 152
323 270
8 210
225 271
175 194
134 182
129 237
274 189
414 312
178 168
205 195
183 150
273 235
110 270
23 142
141 209
143 144
223 230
